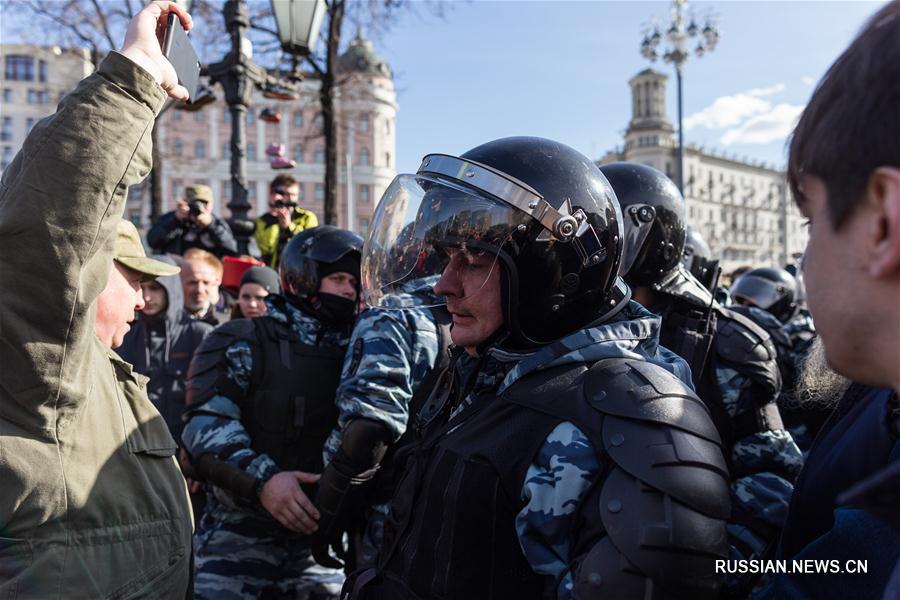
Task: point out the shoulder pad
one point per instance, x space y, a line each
656 547
204 370
747 348
641 390
659 432
765 320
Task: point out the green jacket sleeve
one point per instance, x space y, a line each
60 201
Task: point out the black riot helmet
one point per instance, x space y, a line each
653 212
771 289
315 253
542 211
697 258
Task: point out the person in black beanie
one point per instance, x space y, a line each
255 285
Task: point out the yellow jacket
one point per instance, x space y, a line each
271 238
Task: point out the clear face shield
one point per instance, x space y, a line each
426 226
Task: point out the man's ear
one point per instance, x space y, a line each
884 193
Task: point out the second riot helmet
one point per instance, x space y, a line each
315 253
653 214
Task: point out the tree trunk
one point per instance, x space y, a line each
329 122
154 183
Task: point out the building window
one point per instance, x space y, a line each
298 153
364 157
42 71
177 186
7 95
226 151
363 194
176 115
300 191
363 227
387 159
364 123
251 192
199 149
6 131
19 68
200 116
251 152
226 191
320 192
387 127
319 155
251 118
319 122
298 118
7 157
29 124
176 147
134 216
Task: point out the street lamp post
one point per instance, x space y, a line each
298 26
677 52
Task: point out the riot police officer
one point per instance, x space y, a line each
530 476
733 360
772 298
261 405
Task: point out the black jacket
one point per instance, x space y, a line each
171 236
161 347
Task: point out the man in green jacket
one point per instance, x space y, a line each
93 504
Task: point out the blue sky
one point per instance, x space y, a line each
560 70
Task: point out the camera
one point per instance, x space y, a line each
194 208
283 204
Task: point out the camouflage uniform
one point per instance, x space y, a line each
241 551
390 353
567 464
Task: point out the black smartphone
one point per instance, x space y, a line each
178 49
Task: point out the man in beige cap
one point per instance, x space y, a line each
93 504
192 225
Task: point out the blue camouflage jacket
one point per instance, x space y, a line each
215 427
567 463
390 352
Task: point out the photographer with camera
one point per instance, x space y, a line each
284 219
192 225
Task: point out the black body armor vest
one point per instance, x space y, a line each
291 412
451 531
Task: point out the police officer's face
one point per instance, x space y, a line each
471 284
155 298
339 284
116 305
252 300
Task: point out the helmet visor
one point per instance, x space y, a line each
426 225
639 220
760 291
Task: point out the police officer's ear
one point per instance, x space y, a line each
883 231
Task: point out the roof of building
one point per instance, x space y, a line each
361 56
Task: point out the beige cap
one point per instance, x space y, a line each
130 252
203 193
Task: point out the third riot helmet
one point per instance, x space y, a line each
773 290
653 212
543 211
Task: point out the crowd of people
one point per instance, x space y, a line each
531 380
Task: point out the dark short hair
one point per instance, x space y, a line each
282 181
851 125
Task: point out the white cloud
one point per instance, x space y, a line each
729 111
769 126
767 91
807 80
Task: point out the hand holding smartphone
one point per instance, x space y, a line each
178 50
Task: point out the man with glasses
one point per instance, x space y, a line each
284 219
